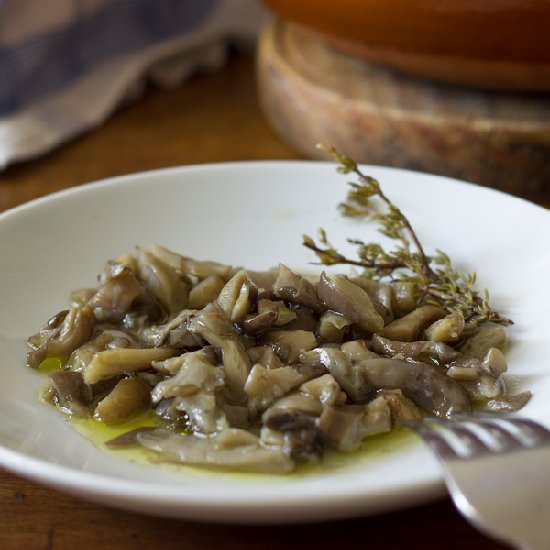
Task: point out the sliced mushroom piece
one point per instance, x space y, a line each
236 296
191 450
290 343
297 402
237 368
80 358
402 408
128 398
234 437
408 328
306 319
264 386
113 362
205 291
448 329
295 289
257 323
357 350
172 418
50 329
162 281
71 395
127 439
284 315
190 266
203 412
217 330
465 371
494 362
485 387
236 415
265 356
173 365
291 425
427 386
264 281
196 374
213 325
508 403
381 296
377 416
74 330
81 296
352 379
342 428
325 389
157 335
404 297
487 336
349 299
429 352
332 326
118 292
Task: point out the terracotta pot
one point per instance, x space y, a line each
490 43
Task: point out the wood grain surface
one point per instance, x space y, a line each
212 118
312 92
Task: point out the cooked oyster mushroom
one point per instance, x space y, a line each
487 336
188 266
332 326
422 350
349 299
129 397
61 335
196 374
325 389
408 328
236 296
293 288
70 393
448 329
342 427
381 296
352 379
263 386
290 343
404 297
191 450
205 291
163 282
113 362
118 292
426 386
259 322
284 315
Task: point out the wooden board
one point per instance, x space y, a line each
314 93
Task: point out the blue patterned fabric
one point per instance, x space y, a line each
66 64
53 58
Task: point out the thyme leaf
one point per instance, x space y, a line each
436 277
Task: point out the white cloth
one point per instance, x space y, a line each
65 65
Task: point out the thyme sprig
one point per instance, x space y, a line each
439 282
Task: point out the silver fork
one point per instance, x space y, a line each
497 470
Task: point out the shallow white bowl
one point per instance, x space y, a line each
250 214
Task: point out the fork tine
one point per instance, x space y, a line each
536 433
495 436
434 440
472 445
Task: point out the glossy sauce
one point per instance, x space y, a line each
372 449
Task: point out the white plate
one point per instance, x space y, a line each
251 214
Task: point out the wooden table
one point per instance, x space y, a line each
212 118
